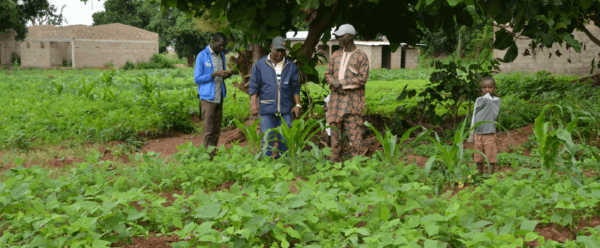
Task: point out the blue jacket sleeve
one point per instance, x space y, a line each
200 78
295 83
254 84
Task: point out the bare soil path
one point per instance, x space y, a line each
168 146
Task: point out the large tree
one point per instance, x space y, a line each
15 14
50 16
129 12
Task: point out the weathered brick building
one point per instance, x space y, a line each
378 52
80 45
557 59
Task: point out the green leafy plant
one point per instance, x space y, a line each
86 89
107 78
252 134
298 136
452 156
392 149
128 66
549 140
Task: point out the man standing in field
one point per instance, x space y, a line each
346 76
209 75
274 80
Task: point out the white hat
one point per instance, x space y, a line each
345 29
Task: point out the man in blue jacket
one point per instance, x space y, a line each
274 80
209 75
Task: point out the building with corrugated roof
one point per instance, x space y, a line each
378 52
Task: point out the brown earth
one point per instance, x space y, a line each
509 144
57 162
168 146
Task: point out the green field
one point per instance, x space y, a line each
546 184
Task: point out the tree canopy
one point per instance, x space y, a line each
15 14
544 21
129 12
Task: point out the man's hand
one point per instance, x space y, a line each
253 109
336 87
221 73
296 111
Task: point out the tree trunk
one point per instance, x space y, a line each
190 59
258 52
458 50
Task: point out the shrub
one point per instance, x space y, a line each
531 86
158 61
516 113
109 64
128 66
15 59
175 117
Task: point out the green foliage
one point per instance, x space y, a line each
448 88
252 134
296 137
392 148
158 61
549 140
452 158
16 14
427 150
128 66
533 86
95 204
516 113
98 106
397 74
15 60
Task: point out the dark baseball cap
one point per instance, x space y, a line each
278 43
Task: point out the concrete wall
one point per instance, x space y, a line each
374 54
8 46
59 52
92 46
35 54
545 59
411 58
396 59
97 53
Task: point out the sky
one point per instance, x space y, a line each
78 12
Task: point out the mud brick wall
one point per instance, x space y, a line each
35 54
8 46
374 54
412 58
94 53
546 59
59 52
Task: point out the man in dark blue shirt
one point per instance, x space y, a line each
274 80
